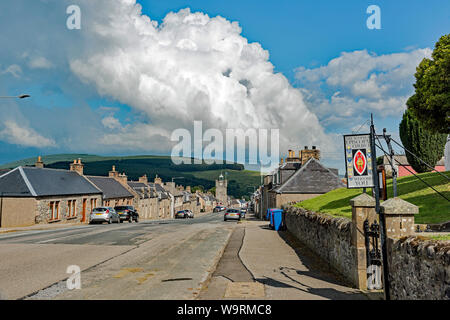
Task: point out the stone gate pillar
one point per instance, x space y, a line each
363 207
399 216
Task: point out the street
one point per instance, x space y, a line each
148 260
173 259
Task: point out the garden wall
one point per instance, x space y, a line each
328 237
419 269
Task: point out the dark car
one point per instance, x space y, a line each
182 214
219 209
127 213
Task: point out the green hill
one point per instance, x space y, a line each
240 181
432 207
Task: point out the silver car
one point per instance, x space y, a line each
190 213
104 214
232 214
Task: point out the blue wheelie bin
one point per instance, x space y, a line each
268 215
277 219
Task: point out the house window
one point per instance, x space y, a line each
74 208
54 210
93 204
69 208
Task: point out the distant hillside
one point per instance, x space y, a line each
240 181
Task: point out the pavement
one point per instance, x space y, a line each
260 263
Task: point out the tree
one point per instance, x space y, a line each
200 188
431 102
213 191
427 145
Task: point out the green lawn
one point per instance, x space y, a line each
432 207
445 237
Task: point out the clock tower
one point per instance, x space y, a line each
221 190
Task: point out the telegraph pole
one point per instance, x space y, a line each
377 209
387 138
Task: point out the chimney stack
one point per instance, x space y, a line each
188 189
113 173
292 157
310 153
143 179
123 179
77 166
39 163
158 180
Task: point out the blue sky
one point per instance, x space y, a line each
324 49
311 33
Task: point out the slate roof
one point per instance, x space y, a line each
162 193
111 188
137 187
42 182
312 177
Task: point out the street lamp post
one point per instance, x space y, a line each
22 96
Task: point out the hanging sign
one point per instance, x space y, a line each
358 161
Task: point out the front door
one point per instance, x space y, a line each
83 218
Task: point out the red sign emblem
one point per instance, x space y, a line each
360 162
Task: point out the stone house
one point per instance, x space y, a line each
114 194
206 201
147 200
311 180
280 187
190 201
35 195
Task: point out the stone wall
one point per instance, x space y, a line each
328 237
419 269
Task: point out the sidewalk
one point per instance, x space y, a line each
279 268
289 270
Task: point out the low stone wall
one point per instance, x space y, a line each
419 269
328 237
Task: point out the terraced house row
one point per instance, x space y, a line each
38 195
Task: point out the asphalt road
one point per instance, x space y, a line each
166 259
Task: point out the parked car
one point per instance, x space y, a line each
104 214
232 214
243 212
182 214
190 213
217 209
127 213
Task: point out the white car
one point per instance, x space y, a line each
190 213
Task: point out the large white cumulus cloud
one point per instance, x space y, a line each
356 83
191 67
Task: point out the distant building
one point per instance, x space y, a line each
403 167
221 190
